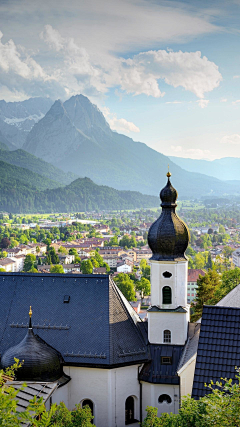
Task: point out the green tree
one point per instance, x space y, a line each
73 251
206 293
113 241
63 250
126 286
209 263
57 268
53 256
229 280
221 229
143 286
199 260
29 262
86 267
3 254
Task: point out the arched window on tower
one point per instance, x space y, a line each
129 410
167 336
167 295
88 402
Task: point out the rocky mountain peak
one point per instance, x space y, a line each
85 115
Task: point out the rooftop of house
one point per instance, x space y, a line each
117 337
218 347
193 274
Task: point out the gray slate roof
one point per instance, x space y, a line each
232 299
156 372
191 346
96 327
218 347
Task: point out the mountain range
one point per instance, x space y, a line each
63 141
227 168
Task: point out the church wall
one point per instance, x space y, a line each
151 393
177 282
108 389
177 323
186 378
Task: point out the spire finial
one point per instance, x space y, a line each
169 173
30 317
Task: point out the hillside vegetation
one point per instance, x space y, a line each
11 176
26 160
81 195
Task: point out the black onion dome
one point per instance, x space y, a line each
168 236
41 361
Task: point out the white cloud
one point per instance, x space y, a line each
236 77
17 61
52 38
186 69
174 102
236 102
196 153
223 100
73 71
176 148
231 139
203 103
120 125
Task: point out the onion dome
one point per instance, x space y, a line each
168 236
40 361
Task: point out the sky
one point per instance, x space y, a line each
166 73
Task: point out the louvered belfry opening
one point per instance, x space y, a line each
167 295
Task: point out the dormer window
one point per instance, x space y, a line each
167 295
165 360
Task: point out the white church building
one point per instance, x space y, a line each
86 343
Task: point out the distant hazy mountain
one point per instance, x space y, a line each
75 137
26 160
82 194
4 143
227 168
18 118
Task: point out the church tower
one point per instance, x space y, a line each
168 239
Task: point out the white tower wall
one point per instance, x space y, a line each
171 320
177 282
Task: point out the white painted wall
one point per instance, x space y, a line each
178 282
176 322
186 374
107 388
151 393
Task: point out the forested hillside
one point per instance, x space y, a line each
29 161
81 195
12 176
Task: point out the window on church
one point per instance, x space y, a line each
164 398
167 336
167 295
88 402
129 410
167 274
165 360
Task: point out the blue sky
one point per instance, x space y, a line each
166 73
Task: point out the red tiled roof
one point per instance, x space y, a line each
193 274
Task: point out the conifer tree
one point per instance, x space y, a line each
206 293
